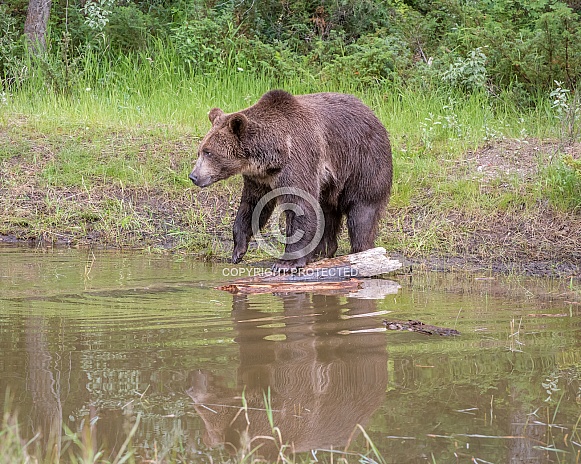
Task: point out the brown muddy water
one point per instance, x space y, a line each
92 341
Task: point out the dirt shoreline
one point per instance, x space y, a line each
429 263
161 210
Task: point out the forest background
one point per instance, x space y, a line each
514 46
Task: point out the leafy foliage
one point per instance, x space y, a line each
468 73
515 46
207 43
10 46
128 29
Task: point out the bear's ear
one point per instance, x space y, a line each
238 124
215 113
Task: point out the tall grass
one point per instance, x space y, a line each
82 447
151 88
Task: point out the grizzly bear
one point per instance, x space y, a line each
326 146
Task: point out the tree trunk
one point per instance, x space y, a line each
36 24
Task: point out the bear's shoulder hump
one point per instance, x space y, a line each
277 98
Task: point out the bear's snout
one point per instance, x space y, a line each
202 175
194 178
200 181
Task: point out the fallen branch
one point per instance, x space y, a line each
419 327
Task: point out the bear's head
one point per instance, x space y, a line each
221 153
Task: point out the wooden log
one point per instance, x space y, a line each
368 263
336 275
324 288
367 289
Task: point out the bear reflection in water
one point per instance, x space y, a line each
323 382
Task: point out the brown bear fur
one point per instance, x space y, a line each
328 144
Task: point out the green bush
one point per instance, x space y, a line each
533 45
468 73
372 59
276 59
11 48
207 43
128 29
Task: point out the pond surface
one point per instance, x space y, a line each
96 342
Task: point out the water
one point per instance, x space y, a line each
96 341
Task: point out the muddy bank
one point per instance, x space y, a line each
162 211
548 268
564 268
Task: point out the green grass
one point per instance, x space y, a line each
80 447
561 184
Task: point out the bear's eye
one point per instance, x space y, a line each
207 153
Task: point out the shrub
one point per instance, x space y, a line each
510 47
567 108
128 29
372 59
468 73
206 43
533 44
11 48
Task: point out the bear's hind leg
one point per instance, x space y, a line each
362 226
328 245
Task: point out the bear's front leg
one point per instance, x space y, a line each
243 229
304 228
241 232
